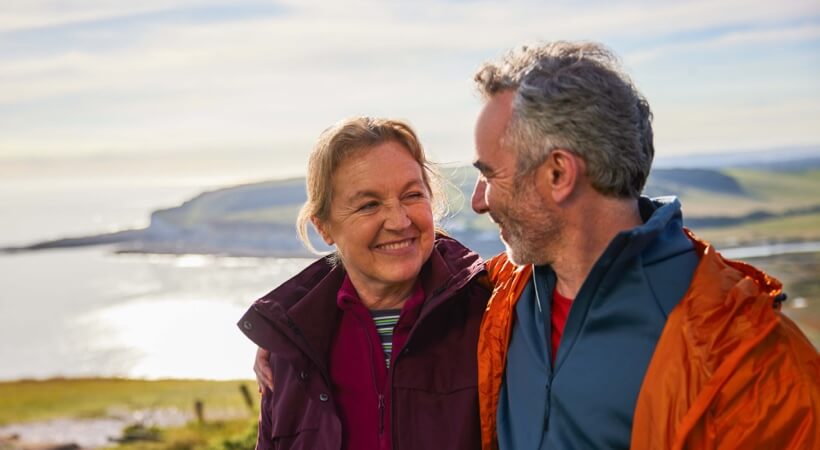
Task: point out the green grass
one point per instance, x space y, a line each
699 203
220 435
784 189
795 228
23 401
765 191
284 215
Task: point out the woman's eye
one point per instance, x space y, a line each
368 206
414 195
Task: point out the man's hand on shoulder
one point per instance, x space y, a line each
261 366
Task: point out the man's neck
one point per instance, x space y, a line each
587 233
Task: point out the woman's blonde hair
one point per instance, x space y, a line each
342 140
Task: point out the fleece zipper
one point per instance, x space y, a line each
378 389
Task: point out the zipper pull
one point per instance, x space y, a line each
381 413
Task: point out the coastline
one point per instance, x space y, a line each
141 241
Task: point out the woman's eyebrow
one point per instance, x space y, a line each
363 195
367 194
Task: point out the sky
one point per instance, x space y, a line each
245 86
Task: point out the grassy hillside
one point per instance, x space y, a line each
759 190
258 219
791 188
274 202
229 424
22 401
782 229
704 192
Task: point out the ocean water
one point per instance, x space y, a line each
91 312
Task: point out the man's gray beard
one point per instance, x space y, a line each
539 249
538 244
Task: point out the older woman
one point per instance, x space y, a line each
372 347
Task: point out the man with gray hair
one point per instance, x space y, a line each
611 325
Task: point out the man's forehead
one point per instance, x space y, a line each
499 107
491 126
493 119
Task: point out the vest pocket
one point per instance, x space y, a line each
437 420
294 419
295 429
304 439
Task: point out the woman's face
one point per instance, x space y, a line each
381 219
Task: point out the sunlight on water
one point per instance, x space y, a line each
88 312
180 338
193 261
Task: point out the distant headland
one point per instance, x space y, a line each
719 195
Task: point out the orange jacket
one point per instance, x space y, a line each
729 370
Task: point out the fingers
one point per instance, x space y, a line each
261 366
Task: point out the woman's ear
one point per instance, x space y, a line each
322 229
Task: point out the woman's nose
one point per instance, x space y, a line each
397 218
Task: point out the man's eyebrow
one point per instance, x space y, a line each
483 168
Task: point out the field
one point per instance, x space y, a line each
22 401
805 227
761 190
228 421
216 435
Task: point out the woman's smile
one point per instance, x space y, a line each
395 246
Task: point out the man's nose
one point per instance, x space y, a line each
479 200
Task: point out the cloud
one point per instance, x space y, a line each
731 39
741 126
97 76
22 15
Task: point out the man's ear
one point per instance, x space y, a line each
559 174
323 231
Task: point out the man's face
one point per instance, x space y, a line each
527 222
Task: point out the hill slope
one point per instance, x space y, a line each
258 219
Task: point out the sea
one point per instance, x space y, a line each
90 312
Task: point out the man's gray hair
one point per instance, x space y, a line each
576 97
